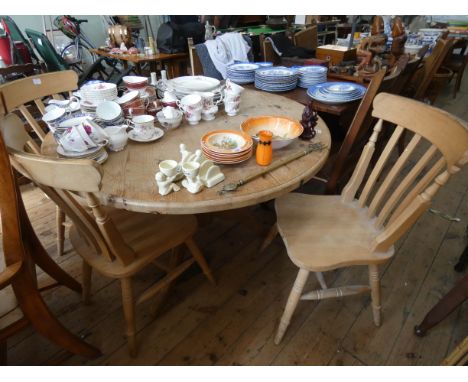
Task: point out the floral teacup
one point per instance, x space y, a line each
190 103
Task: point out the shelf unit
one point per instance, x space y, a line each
326 29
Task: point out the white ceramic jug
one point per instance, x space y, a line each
117 137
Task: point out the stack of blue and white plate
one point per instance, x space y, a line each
276 79
336 92
311 75
242 73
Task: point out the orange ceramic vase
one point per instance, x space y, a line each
264 151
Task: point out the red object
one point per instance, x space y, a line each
24 52
5 50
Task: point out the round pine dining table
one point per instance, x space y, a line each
129 175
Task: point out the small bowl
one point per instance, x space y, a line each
108 110
170 123
135 82
285 130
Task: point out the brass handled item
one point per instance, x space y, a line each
230 187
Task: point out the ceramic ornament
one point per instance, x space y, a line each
165 184
197 156
192 182
210 174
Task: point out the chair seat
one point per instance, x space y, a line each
148 235
305 222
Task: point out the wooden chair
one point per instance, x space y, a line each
17 94
360 227
409 71
340 163
431 66
457 63
306 38
116 243
21 303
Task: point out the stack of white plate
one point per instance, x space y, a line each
336 92
88 108
97 93
276 79
185 85
311 75
99 154
243 73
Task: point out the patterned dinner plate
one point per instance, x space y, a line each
226 141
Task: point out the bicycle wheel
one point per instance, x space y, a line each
78 56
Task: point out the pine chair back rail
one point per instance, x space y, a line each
377 206
360 126
22 251
17 94
116 243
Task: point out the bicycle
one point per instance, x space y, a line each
77 53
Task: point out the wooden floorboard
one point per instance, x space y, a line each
234 322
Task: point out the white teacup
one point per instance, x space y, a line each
209 115
232 88
54 116
193 116
143 125
168 167
208 100
190 169
72 140
108 110
95 132
231 108
190 102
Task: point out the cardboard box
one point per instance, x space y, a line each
335 53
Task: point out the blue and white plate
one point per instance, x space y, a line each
311 75
276 79
242 73
336 92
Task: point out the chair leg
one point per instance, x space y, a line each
458 82
128 304
38 314
200 259
269 237
293 300
375 292
321 280
60 218
3 353
87 272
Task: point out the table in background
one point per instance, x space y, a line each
129 182
175 64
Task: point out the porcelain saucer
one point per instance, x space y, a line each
158 133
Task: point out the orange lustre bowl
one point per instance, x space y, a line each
284 129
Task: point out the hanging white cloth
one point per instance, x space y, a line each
226 49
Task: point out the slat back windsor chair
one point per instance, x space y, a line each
116 243
360 226
16 95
